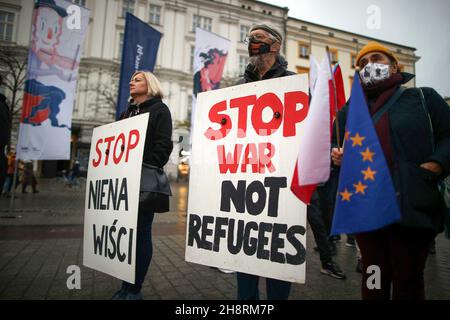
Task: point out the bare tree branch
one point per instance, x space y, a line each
13 63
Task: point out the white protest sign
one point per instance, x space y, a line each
112 197
242 215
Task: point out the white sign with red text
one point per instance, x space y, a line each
112 197
242 216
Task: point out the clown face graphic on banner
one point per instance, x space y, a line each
53 62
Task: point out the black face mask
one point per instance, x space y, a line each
258 47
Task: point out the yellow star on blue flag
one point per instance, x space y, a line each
366 198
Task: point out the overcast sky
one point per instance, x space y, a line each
424 25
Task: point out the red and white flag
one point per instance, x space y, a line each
313 73
313 163
340 91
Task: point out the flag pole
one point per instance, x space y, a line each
11 203
338 136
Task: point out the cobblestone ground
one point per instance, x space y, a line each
36 249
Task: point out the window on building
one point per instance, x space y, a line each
201 22
81 3
155 14
334 55
189 107
120 45
6 25
243 33
191 62
353 60
301 70
303 50
243 63
128 6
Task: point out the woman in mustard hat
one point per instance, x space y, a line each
414 133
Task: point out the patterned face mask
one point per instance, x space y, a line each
374 72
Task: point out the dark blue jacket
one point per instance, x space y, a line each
417 191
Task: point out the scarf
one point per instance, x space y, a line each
377 96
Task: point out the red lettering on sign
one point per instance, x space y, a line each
268 100
95 163
292 114
259 156
121 147
121 138
132 145
265 160
222 119
108 148
293 111
229 161
242 104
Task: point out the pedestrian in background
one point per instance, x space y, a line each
10 174
28 177
5 130
74 173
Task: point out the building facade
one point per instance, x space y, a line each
177 20
306 38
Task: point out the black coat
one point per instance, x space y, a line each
5 130
420 202
279 69
158 141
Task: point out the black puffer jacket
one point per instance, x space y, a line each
279 69
158 142
417 191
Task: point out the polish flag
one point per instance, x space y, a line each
313 73
340 91
314 160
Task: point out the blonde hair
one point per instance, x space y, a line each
154 88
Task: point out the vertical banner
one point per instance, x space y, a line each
210 55
57 36
140 49
112 197
244 152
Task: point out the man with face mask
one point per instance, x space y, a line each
264 44
413 127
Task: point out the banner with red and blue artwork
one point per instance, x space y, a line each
57 36
210 55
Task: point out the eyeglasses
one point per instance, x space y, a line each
258 37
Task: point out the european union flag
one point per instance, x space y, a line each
366 198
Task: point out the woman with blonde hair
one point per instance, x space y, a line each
146 94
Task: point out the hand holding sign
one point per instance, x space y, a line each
251 221
112 197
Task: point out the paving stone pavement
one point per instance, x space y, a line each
36 250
